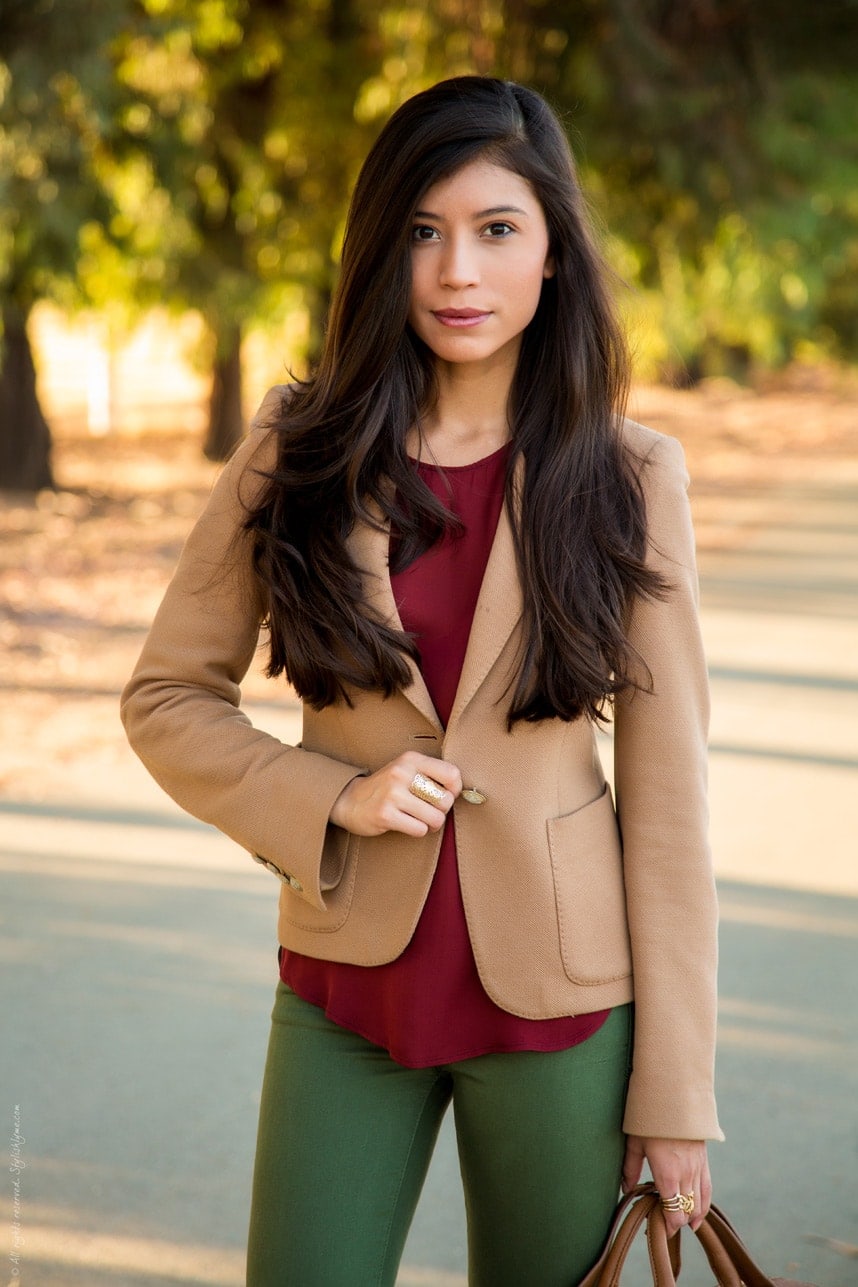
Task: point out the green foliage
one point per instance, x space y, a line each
48 137
201 152
719 146
246 114
82 220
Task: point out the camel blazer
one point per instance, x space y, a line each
572 905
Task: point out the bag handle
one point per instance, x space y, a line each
632 1212
664 1257
723 1265
728 1257
717 1236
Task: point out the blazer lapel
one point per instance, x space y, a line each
369 547
498 611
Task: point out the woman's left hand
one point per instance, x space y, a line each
677 1166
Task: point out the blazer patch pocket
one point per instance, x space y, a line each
587 864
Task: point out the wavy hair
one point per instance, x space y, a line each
579 518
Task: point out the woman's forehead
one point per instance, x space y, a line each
483 183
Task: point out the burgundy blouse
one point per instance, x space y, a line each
428 1007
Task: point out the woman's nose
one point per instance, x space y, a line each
459 266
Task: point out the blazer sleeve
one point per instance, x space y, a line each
660 763
181 706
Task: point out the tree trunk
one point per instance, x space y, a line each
25 439
226 424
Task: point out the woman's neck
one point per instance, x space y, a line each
469 420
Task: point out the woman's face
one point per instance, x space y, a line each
479 256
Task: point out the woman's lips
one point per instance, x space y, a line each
459 317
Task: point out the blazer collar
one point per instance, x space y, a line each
499 608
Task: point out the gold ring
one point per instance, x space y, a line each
683 1202
426 789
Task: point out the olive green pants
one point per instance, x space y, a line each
346 1135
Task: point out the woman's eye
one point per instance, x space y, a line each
499 229
423 232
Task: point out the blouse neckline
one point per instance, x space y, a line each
459 469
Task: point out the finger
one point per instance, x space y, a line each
406 825
433 816
632 1165
674 1220
426 790
691 1186
443 772
396 809
668 1183
702 1200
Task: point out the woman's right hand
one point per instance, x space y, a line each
369 806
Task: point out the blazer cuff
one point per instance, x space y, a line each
672 1111
294 841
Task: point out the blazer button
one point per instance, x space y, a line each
291 881
473 796
270 866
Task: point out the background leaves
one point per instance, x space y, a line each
199 153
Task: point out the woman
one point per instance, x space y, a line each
463 556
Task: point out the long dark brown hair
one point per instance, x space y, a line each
579 520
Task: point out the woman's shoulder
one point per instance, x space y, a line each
270 409
244 478
649 448
258 449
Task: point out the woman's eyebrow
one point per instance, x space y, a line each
480 214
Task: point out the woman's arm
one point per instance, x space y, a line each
181 706
661 789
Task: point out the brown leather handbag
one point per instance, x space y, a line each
729 1258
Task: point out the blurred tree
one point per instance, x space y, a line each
721 150
246 112
48 136
82 220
